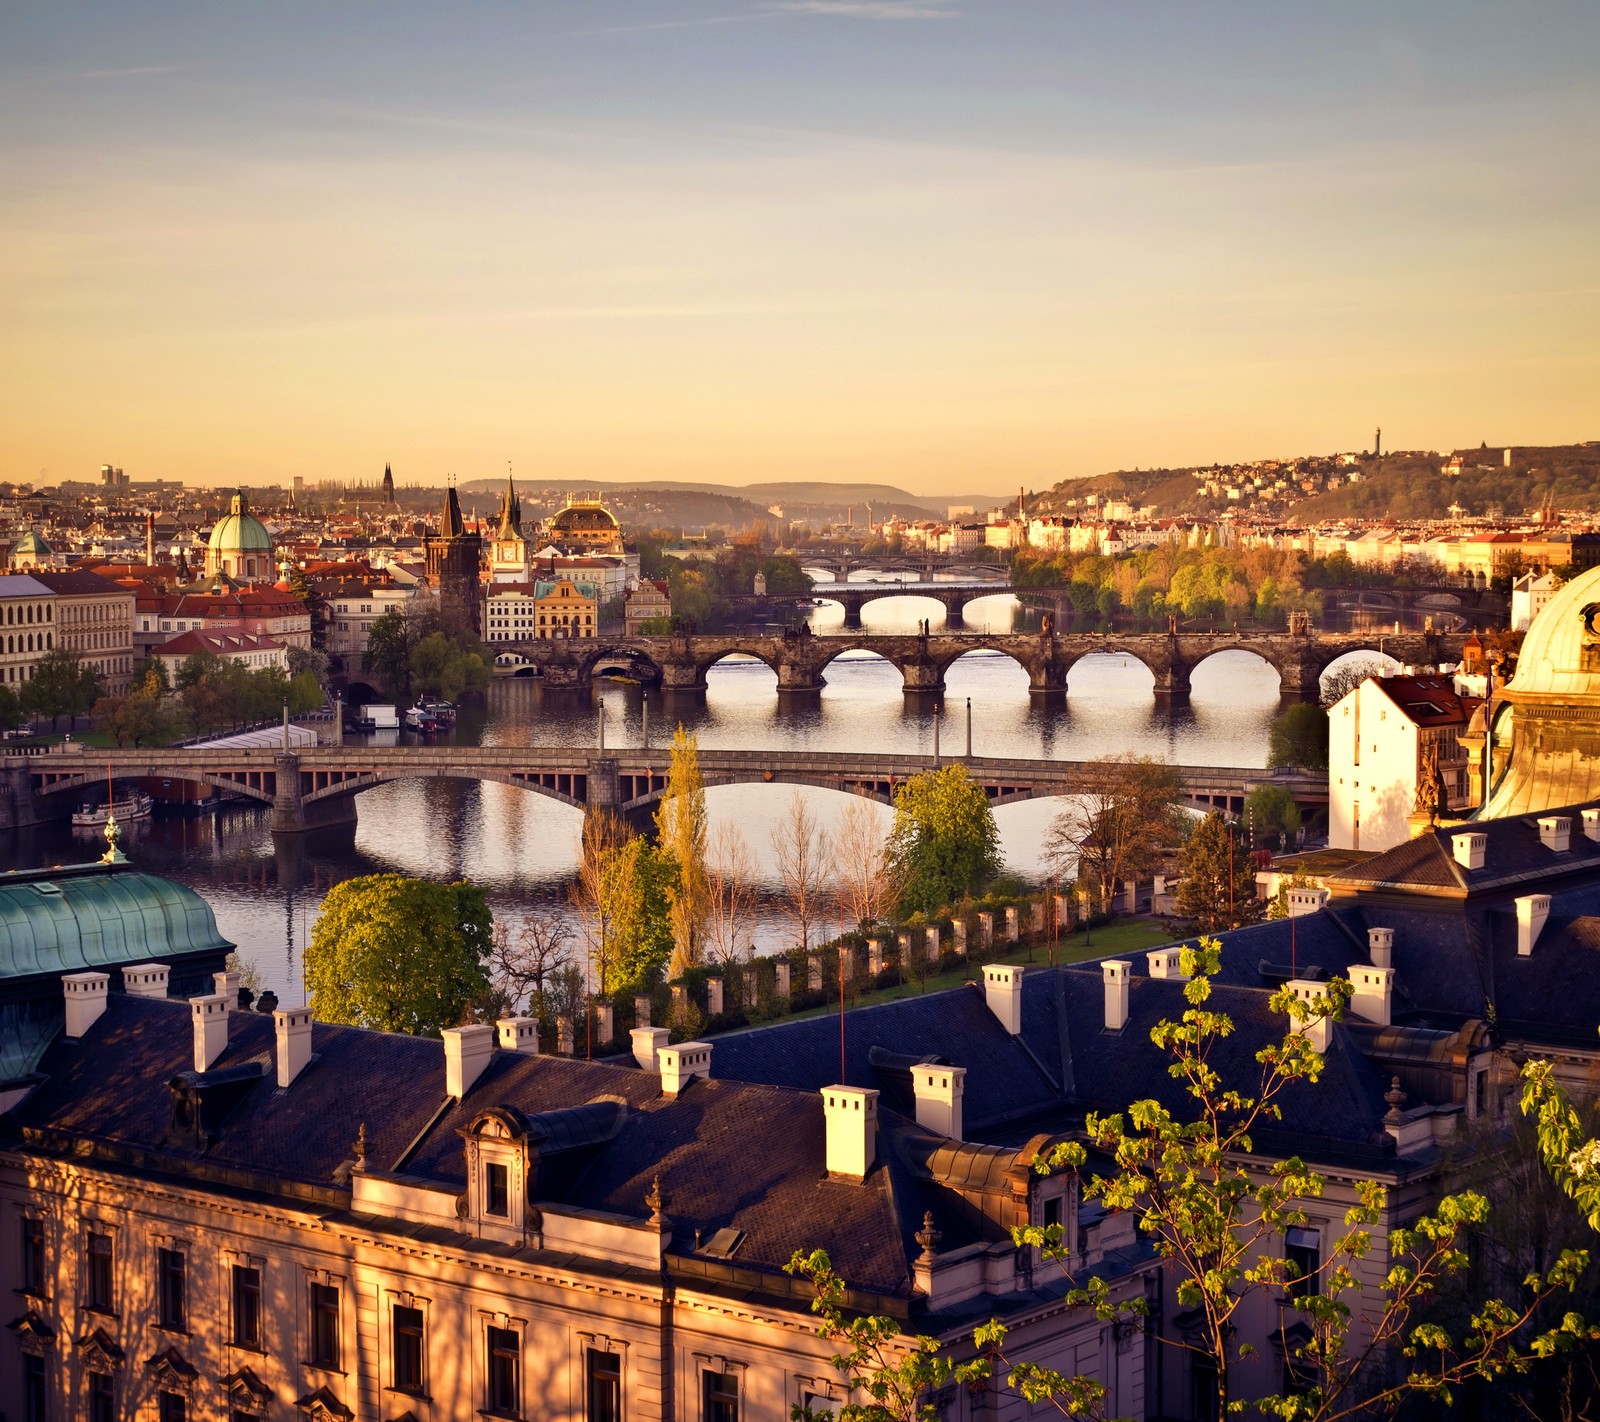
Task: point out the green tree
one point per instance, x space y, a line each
1570 1150
442 665
635 883
1218 888
691 597
399 954
681 834
1218 1216
1299 738
316 605
144 717
1121 816
61 686
388 652
944 843
10 708
1271 810
308 659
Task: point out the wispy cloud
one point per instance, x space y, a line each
651 26
867 9
129 73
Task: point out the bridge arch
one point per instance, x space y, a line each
837 647
1230 648
1112 651
740 655
625 657
349 786
261 788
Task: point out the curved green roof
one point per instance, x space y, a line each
240 531
85 919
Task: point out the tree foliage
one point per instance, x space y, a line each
1119 820
1218 888
944 843
635 884
1299 738
1337 685
399 954
681 834
62 685
1270 810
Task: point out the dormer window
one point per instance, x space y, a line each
496 1190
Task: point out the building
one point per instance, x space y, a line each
94 619
452 568
265 611
541 611
31 551
648 602
352 609
1529 594
27 626
510 554
251 652
1394 749
239 548
585 526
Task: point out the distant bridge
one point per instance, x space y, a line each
918 561
953 597
316 788
680 663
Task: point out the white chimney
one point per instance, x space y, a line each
1468 849
1304 900
851 1116
1002 991
1591 824
1373 993
1319 1030
291 1030
678 1064
518 1034
210 1018
1116 971
146 980
466 1053
1532 911
1555 833
939 1090
647 1042
1167 963
227 985
1380 947
85 995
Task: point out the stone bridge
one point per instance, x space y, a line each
801 662
953 597
841 565
317 788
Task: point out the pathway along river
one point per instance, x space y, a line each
522 847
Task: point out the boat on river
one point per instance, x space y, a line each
132 807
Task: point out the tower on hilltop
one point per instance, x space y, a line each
1377 443
452 567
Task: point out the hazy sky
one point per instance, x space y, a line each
951 244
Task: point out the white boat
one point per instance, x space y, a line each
133 807
418 719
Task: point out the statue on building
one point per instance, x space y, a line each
1432 797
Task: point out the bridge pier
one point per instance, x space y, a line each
852 612
1171 683
19 807
922 676
1299 681
293 814
797 676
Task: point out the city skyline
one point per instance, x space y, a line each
924 243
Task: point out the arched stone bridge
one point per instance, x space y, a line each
316 788
801 662
852 597
925 563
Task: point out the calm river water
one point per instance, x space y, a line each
522 847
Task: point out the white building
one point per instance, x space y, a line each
1529 593
1377 736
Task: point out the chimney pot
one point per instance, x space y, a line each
1469 849
1372 993
1591 824
1532 911
1318 1029
1555 833
85 1000
1002 991
1167 963
647 1045
1303 900
227 985
291 1031
678 1064
851 1116
939 1090
466 1053
146 980
1115 972
518 1034
209 1016
1380 946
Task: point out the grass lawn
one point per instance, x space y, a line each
1125 936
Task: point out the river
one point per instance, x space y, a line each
522 847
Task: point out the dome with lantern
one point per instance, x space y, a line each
240 547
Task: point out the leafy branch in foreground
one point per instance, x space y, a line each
1572 1160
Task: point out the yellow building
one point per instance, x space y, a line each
541 611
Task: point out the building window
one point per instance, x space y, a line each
246 1306
33 1256
496 1191
172 1407
603 1375
721 1399
35 1392
325 1325
1303 1250
99 1272
408 1351
170 1287
504 1363
102 1400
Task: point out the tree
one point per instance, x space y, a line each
308 659
1299 737
730 894
525 965
388 652
802 853
1570 1150
1339 684
944 843
399 954
61 686
144 717
681 835
1218 889
1120 818
445 667
1271 810
10 708
1218 1215
866 880
634 884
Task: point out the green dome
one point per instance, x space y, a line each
240 531
31 544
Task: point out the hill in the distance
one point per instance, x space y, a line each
798 498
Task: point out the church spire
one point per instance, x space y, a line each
388 485
451 524
510 511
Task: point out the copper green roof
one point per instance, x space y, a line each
90 917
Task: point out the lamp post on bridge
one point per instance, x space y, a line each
600 721
969 728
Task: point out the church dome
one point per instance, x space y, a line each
1560 656
584 518
240 545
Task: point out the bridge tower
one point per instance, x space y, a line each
452 567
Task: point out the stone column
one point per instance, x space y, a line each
781 989
605 1023
903 941
1011 924
713 997
564 1036
1036 916
680 1000
813 973
641 1010
874 956
958 937
932 936
986 930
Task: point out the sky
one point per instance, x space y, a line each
955 245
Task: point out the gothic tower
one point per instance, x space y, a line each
452 567
388 487
509 558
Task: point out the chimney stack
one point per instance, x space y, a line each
678 1064
1115 971
291 1031
1373 993
1468 849
146 980
518 1034
1167 963
1532 911
647 1044
1380 947
1002 991
1591 824
1304 900
85 996
939 1090
209 1016
466 1053
1555 833
851 1115
227 985
1319 1030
